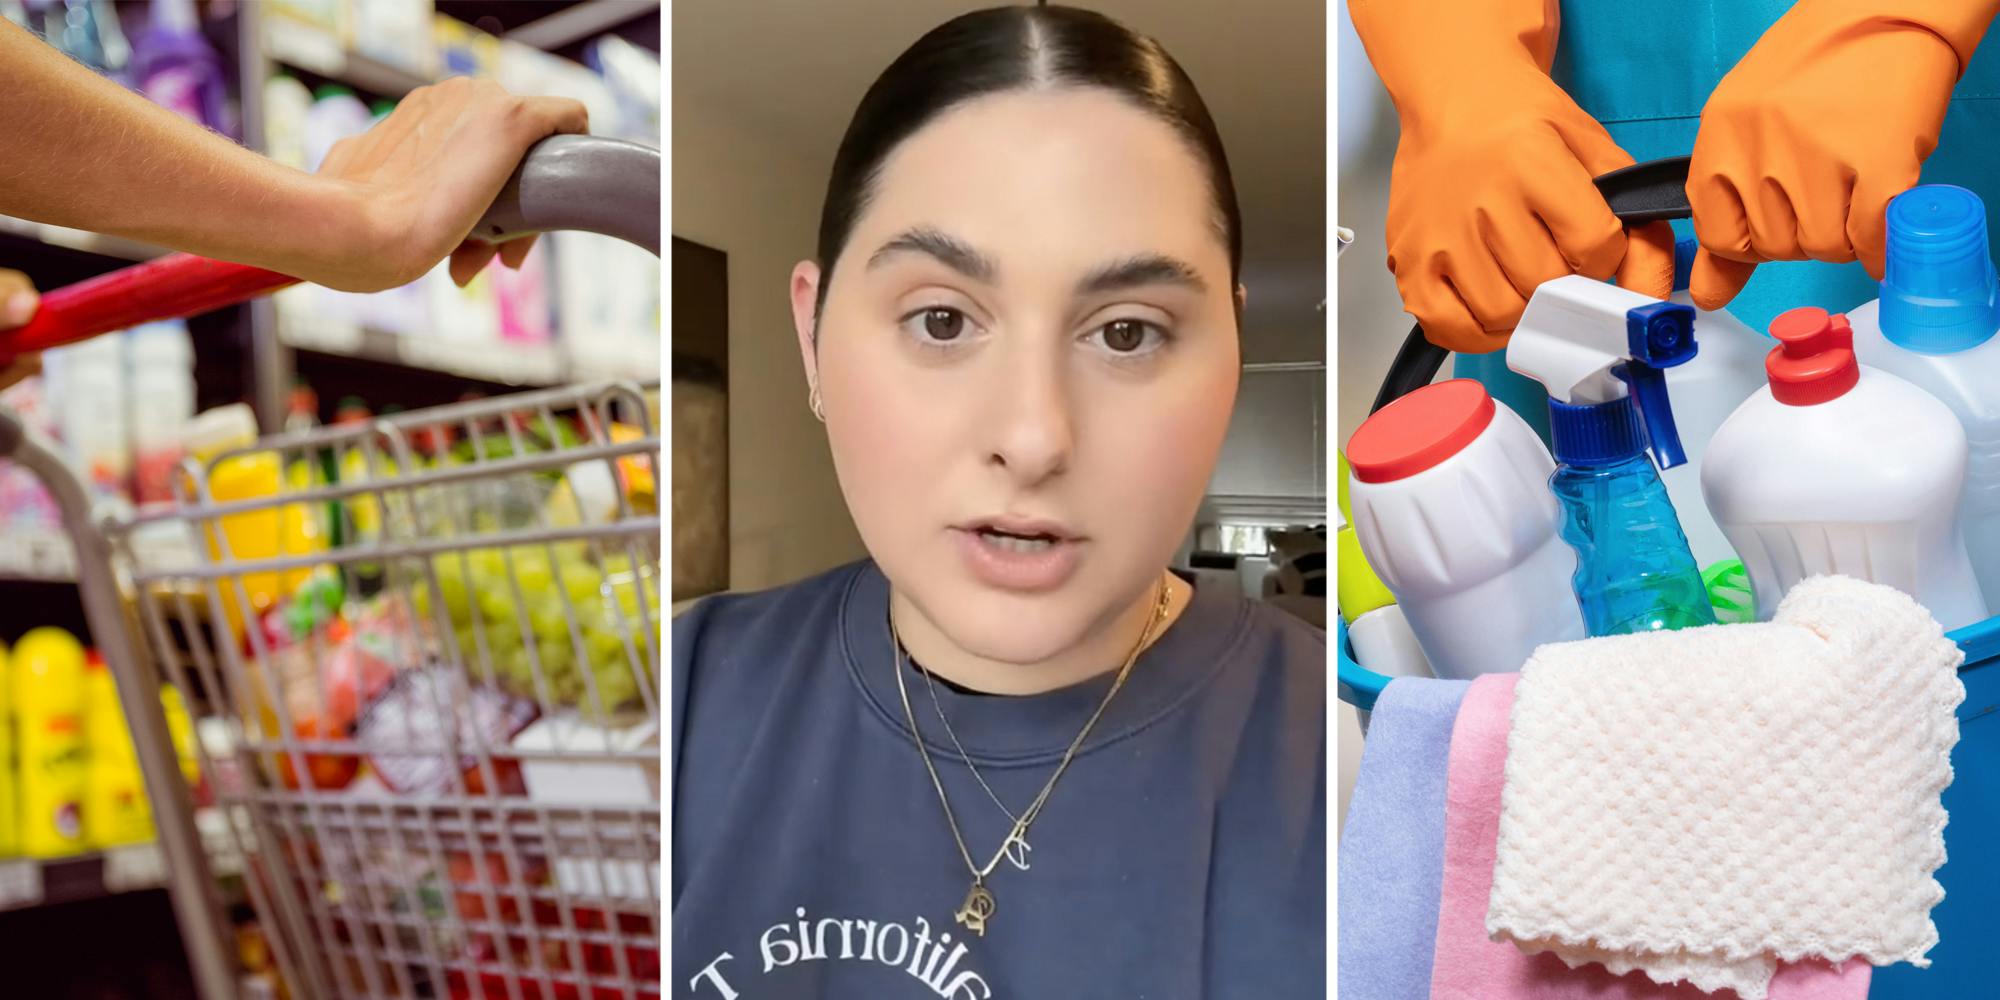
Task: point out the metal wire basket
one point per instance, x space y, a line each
427 649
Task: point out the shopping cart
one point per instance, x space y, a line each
429 645
1653 192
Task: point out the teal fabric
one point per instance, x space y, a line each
1644 68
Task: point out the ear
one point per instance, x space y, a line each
1242 298
805 299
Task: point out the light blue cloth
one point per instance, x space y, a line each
1644 68
1392 849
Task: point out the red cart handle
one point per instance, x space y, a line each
580 182
173 287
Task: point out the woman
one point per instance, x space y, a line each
1020 331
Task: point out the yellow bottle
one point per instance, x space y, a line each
263 533
115 810
48 712
10 824
181 729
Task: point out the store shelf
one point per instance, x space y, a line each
514 365
305 47
31 882
76 239
37 556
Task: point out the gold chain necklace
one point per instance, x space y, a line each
978 907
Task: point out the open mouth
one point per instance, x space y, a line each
1007 541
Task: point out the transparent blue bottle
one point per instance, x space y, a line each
1634 571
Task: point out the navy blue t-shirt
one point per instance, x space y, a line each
1181 855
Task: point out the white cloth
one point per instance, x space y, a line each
1702 804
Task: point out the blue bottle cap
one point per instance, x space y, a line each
1684 262
1596 433
1939 290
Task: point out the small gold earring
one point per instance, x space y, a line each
818 406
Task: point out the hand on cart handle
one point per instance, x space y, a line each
427 172
565 182
18 302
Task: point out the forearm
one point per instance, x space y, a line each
1958 23
80 151
1427 51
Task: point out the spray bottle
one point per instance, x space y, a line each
1601 351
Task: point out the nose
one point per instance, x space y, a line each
1032 434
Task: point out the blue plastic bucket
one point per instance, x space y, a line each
1971 873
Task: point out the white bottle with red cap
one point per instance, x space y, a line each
1451 504
1836 467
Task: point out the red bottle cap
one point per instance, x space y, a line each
1814 360
1419 430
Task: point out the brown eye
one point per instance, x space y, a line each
943 324
1124 335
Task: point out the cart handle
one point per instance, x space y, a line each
1654 191
574 182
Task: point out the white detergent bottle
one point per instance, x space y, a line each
1934 326
1840 468
1450 501
1726 369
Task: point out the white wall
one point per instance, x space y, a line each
740 192
1371 321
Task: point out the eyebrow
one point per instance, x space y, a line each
942 247
1140 270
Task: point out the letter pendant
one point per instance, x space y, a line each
978 909
1016 849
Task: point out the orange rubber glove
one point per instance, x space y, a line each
1829 116
1491 191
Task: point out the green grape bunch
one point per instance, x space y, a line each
576 618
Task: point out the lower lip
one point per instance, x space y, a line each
1027 572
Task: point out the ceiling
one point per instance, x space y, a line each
796 68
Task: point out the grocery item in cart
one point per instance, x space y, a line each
1451 503
414 746
1838 467
1602 353
1934 326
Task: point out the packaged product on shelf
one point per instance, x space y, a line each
115 809
10 821
75 30
521 299
327 15
607 305
176 68
160 363
468 315
524 69
87 384
48 697
633 76
26 506
287 104
463 50
335 115
395 32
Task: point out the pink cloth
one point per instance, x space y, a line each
1470 966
